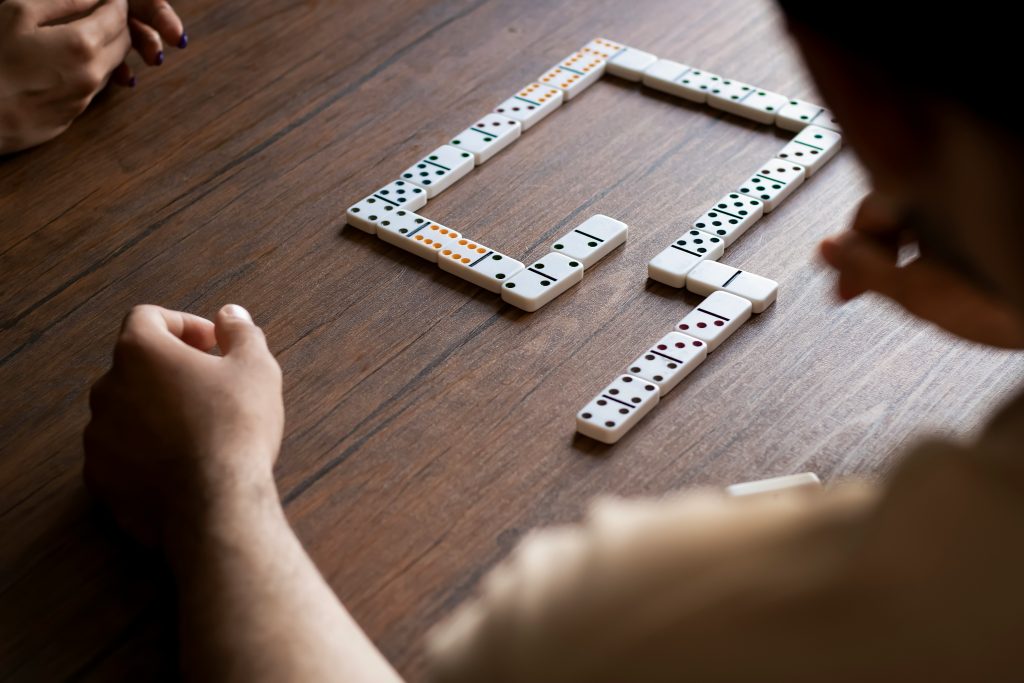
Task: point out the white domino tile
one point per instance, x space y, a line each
826 119
773 182
575 73
672 358
416 234
603 48
617 409
488 136
531 104
672 264
680 80
481 265
711 276
367 213
796 114
812 148
440 169
716 318
757 105
730 217
805 481
592 240
726 91
630 63
542 281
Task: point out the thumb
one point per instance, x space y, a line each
237 333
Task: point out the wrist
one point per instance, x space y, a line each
230 510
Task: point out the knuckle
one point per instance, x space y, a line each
80 47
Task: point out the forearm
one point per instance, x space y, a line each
254 607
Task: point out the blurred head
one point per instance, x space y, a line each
924 96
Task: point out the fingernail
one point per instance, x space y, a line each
236 311
131 82
183 43
159 58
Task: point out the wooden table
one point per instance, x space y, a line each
429 425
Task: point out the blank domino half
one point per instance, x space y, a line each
805 481
812 148
594 239
540 282
716 318
670 360
711 276
475 263
617 409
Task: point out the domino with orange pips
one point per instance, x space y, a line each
416 234
475 263
575 73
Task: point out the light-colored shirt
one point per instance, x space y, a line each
921 578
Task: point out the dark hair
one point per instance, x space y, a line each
965 54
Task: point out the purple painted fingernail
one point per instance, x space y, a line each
159 58
131 82
183 43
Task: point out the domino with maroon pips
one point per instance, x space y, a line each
716 318
669 360
617 409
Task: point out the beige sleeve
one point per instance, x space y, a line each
590 602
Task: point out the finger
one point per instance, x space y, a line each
147 42
237 333
161 16
856 268
123 76
152 320
49 11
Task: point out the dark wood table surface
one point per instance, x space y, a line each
429 425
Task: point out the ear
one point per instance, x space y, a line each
887 126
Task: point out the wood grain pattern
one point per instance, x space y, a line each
429 425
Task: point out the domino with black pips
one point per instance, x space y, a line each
812 148
440 169
617 409
669 360
540 282
400 194
716 318
481 265
680 80
796 114
488 136
774 182
730 217
671 265
592 240
711 276
531 104
747 101
417 234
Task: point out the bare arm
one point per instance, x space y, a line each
181 448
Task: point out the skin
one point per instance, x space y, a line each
57 55
182 441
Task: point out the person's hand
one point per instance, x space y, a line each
152 23
176 430
866 257
55 55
